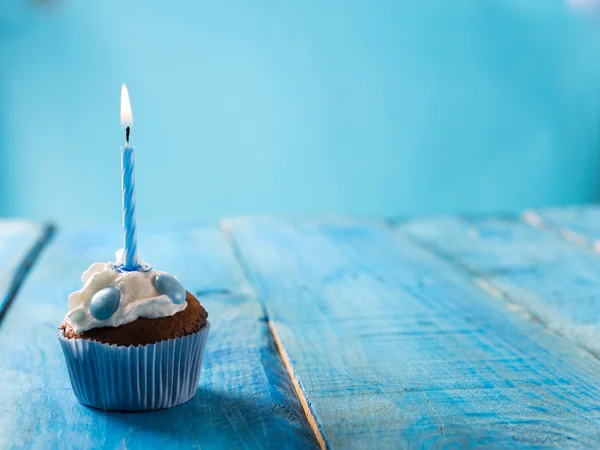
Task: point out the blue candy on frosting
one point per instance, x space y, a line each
112 298
105 302
171 287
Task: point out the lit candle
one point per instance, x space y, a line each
128 185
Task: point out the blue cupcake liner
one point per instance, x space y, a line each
142 378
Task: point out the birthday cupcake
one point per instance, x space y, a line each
133 340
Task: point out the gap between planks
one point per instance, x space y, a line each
533 219
479 279
25 266
303 400
310 417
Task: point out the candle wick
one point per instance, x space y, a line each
127 131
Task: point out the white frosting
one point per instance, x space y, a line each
139 297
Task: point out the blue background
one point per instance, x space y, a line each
358 107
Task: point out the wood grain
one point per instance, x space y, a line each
245 398
580 224
395 348
556 281
20 243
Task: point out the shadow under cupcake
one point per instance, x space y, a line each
133 341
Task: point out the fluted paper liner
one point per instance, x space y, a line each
142 378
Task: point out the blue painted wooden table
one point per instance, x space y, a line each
444 332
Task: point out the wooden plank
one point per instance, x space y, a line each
245 398
395 348
556 281
20 244
580 224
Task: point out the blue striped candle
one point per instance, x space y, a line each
129 224
128 185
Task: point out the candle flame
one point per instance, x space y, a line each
126 115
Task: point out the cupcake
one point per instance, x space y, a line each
133 340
